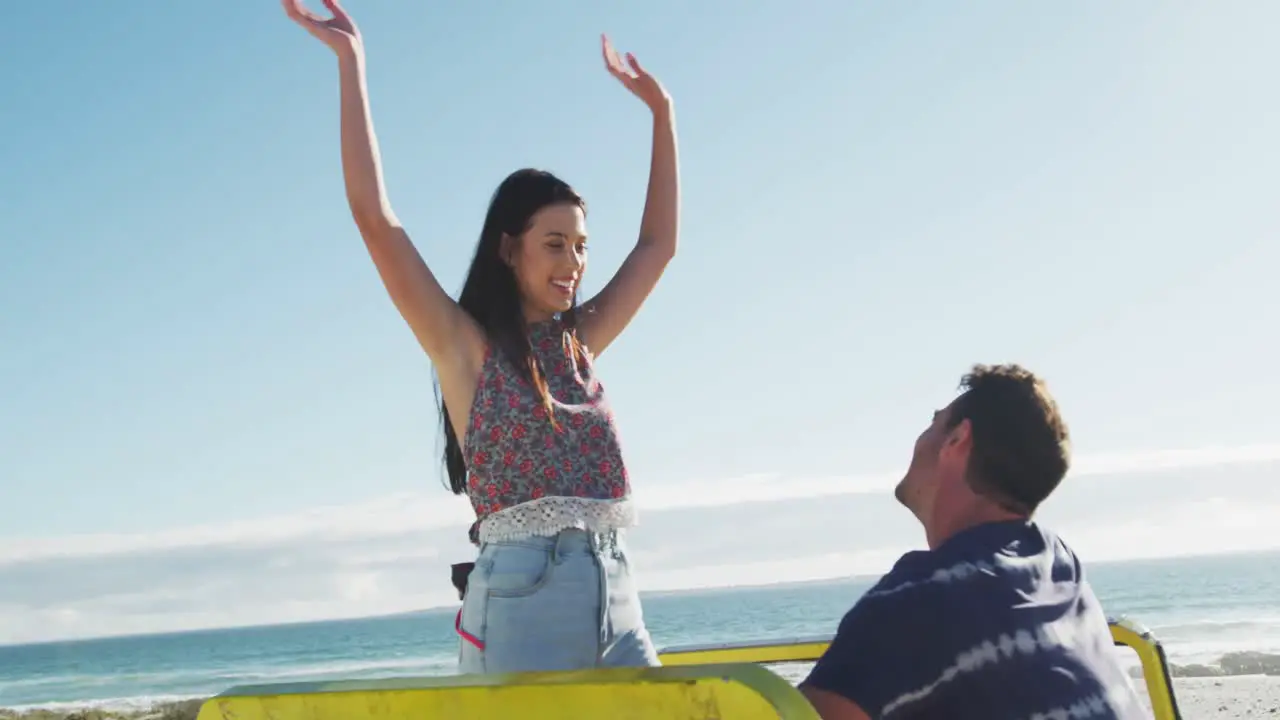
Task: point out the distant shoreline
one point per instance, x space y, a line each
176 710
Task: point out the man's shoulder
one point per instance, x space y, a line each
917 598
965 566
989 574
961 613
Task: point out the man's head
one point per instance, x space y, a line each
997 451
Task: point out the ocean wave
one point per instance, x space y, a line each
190 683
200 683
99 680
349 669
1214 626
1245 662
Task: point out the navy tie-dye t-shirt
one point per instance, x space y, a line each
996 623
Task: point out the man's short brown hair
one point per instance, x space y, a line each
1021 448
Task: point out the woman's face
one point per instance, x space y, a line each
549 260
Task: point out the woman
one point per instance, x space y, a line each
529 436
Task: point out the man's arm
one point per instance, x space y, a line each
831 706
877 655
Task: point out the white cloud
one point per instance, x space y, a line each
755 488
827 566
1153 460
392 554
401 513
766 487
384 516
1200 527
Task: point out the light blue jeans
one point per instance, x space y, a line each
552 603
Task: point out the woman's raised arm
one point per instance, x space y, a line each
609 312
449 336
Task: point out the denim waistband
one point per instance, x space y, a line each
566 542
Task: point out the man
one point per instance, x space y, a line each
995 620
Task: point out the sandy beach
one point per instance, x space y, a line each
1241 696
165 711
1215 698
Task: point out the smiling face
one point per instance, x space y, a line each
549 260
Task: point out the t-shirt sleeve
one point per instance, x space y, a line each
873 659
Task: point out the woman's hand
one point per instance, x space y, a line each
635 78
338 32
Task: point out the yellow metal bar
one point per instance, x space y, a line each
1155 668
703 691
725 681
762 651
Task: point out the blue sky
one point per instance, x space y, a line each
195 350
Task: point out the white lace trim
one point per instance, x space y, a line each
547 516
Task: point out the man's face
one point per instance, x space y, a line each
938 461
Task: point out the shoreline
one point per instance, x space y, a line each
175 710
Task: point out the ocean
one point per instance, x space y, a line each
1201 608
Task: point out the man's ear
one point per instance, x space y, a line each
959 439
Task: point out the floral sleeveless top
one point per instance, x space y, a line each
527 477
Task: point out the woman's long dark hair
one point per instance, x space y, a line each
491 295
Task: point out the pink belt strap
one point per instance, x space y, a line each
457 625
